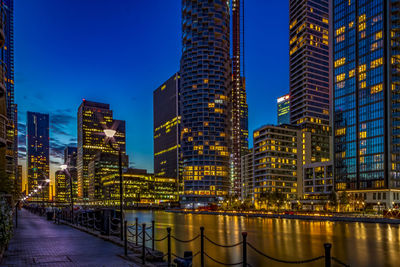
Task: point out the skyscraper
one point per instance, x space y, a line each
93 118
10 154
238 101
70 158
5 184
166 121
283 109
37 135
7 57
366 99
205 87
309 73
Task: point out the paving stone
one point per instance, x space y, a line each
38 242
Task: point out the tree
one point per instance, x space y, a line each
343 199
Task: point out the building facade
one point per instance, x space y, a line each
366 99
205 88
166 122
283 103
62 189
277 161
238 99
37 158
70 159
310 73
102 165
93 118
139 187
8 120
318 182
247 176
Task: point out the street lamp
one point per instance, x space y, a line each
64 168
110 136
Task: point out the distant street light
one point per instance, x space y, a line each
110 133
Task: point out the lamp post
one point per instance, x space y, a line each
64 168
110 135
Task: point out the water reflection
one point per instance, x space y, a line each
358 244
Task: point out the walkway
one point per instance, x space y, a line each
38 242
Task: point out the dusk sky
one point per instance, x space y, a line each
118 52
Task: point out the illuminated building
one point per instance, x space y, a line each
205 85
102 164
283 109
37 135
62 189
5 185
70 158
139 187
93 118
7 59
8 118
166 121
317 182
309 73
247 176
276 155
366 55
238 101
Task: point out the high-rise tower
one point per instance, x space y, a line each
205 86
93 118
366 55
309 74
239 109
166 119
38 146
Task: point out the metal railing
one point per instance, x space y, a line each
140 236
137 235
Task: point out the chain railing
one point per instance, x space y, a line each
203 254
136 236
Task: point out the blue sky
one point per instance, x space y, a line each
118 52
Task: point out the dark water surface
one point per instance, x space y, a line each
357 244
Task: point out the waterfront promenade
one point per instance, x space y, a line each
38 242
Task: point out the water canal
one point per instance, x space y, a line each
357 244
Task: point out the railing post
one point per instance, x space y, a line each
152 234
202 246
327 247
244 235
169 246
143 243
137 232
126 238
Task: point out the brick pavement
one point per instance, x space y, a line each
38 242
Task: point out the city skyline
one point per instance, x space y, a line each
141 85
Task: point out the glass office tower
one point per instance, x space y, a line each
205 86
367 99
166 122
38 148
93 118
283 103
